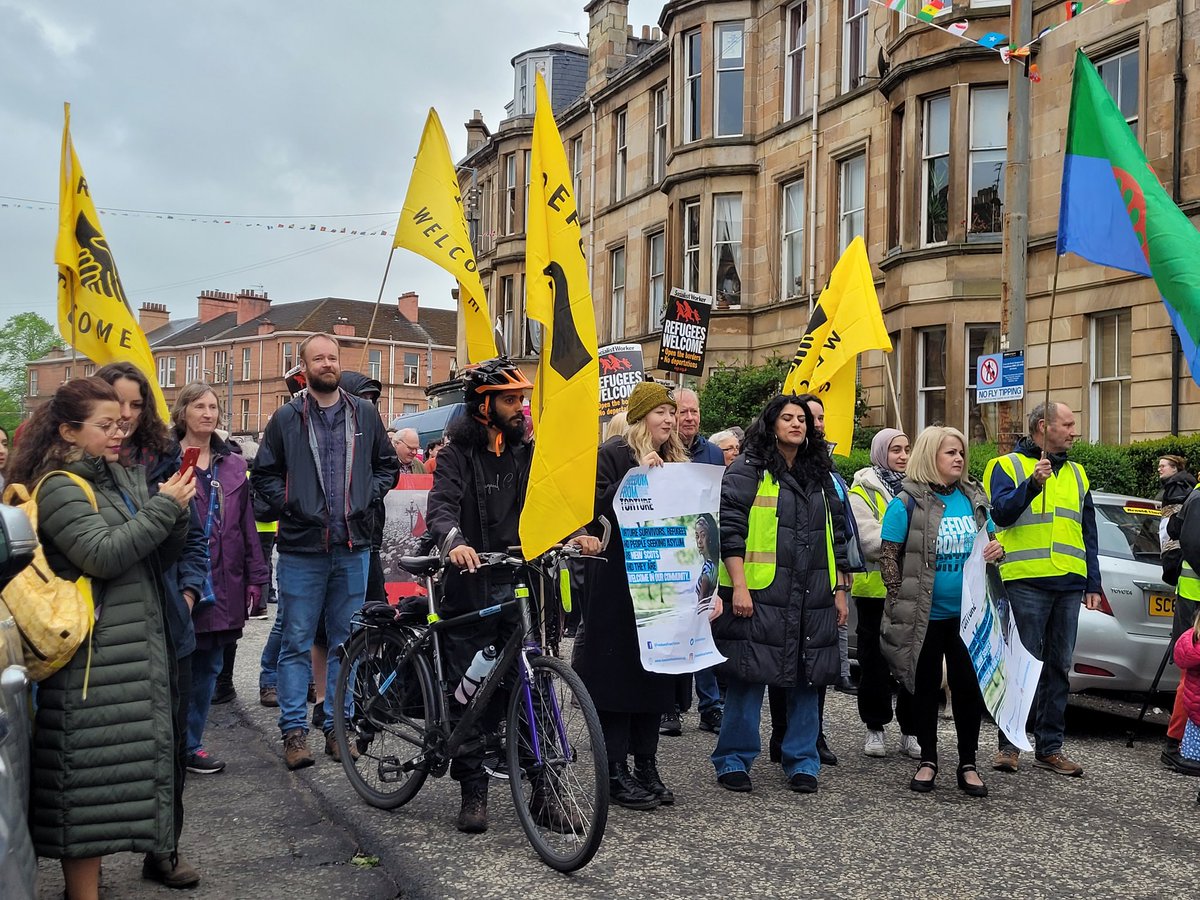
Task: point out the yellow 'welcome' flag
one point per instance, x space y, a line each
566 400
846 321
93 312
433 224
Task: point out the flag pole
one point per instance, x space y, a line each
363 363
887 368
1049 346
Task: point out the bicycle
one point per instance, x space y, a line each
392 711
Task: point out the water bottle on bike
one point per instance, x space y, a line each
481 666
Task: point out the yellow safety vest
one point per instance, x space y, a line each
762 537
266 526
870 584
1047 540
1188 586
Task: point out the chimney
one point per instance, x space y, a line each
608 36
408 303
251 305
344 329
153 316
645 32
266 326
214 304
477 131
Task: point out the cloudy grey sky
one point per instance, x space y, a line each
265 109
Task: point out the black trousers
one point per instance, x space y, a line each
876 683
943 643
266 540
376 591
626 733
180 698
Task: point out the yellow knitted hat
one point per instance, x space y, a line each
646 396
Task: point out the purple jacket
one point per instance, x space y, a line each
235 552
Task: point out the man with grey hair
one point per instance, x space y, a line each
1042 508
408 444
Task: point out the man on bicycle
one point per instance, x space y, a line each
479 488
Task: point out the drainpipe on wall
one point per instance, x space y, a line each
810 188
591 202
1176 194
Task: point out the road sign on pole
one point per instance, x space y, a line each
1000 376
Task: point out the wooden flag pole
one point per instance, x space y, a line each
1049 346
364 363
887 368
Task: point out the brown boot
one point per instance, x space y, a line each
548 810
295 749
472 817
159 868
332 749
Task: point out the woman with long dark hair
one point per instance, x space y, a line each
708 542
783 538
102 766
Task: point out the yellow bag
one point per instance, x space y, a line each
54 616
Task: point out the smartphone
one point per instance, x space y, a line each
190 457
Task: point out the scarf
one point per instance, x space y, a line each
891 480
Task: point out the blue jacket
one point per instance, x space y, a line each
703 450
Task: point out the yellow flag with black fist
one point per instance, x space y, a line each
566 398
93 312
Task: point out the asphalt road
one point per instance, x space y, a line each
1127 829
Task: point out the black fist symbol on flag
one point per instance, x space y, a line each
97 271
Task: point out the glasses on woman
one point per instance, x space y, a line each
109 428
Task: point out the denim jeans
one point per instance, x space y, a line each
268 673
206 666
1048 622
312 585
708 692
740 741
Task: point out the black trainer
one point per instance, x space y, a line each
625 791
736 781
645 773
803 783
671 724
710 720
200 763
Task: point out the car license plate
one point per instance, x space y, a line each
1162 605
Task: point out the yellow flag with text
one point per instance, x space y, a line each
93 312
433 224
846 321
566 400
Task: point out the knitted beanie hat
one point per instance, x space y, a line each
648 395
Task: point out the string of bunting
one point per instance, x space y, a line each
266 223
927 11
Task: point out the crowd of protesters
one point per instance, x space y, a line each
185 539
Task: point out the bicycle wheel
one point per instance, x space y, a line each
379 717
561 794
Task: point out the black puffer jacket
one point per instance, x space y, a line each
791 639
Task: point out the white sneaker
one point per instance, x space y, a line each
874 745
909 746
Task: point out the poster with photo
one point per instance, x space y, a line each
668 521
403 528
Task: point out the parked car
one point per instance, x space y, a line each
18 864
1119 646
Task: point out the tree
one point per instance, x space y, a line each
27 336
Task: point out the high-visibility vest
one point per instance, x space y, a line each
1189 583
266 526
762 538
1047 540
870 584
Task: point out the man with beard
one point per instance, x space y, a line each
479 488
324 465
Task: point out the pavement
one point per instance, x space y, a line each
1127 829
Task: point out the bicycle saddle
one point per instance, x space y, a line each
421 565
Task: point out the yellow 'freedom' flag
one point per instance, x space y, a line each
846 321
566 401
93 312
434 225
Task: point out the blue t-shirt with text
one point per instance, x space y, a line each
955 540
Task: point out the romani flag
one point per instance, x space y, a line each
93 312
566 397
1114 212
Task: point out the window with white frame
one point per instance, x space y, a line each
727 249
522 96
247 373
792 244
375 364
852 199
656 271
616 263
533 328
854 43
33 382
507 312
289 360
989 142
691 246
191 368
577 170
410 408
981 421
1111 382
483 241
892 361
931 379
659 149
935 171
220 366
66 374
245 414
526 160
89 370
620 154
795 90
1120 74
412 368
510 192
693 66
730 65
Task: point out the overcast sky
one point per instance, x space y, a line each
265 109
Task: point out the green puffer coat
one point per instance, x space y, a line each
103 767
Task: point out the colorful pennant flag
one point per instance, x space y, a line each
929 10
846 321
1114 212
897 5
566 397
1074 8
433 224
992 39
958 29
93 311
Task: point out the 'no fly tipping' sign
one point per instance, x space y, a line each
1000 376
